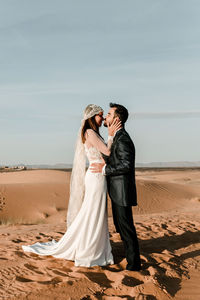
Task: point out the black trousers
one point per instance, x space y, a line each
123 220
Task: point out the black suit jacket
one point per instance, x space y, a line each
120 170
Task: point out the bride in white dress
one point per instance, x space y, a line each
86 241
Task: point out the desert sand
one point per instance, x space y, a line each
33 206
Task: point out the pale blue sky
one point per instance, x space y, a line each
58 56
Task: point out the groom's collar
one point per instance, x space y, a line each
118 131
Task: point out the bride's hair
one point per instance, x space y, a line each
77 180
89 124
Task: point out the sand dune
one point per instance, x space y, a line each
33 207
41 193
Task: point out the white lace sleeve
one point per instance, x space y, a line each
93 139
110 141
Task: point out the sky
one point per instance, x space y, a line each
56 57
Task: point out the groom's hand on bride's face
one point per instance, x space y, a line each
96 167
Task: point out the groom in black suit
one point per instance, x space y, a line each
120 174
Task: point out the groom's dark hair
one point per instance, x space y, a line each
120 112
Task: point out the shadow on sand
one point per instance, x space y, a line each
175 263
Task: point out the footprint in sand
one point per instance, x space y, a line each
33 268
65 269
131 281
60 273
20 254
23 279
39 279
40 233
60 232
30 273
99 278
18 241
60 209
3 258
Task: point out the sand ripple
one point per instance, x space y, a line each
169 237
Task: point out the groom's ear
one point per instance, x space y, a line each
117 118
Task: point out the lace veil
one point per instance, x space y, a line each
77 182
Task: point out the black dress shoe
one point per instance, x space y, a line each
132 268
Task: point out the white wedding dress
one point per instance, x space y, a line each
86 241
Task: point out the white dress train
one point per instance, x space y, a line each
86 241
